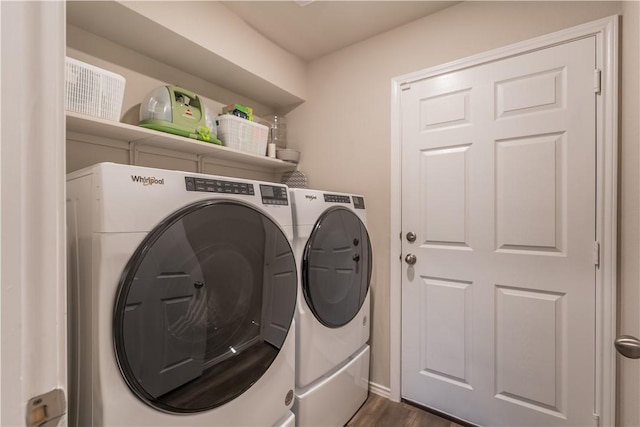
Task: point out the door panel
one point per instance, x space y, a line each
499 184
529 347
531 166
445 336
444 177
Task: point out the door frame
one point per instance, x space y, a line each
32 224
606 32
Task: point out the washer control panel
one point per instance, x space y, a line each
274 195
218 186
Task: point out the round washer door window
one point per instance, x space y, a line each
336 267
204 306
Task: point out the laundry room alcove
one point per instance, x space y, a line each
150 47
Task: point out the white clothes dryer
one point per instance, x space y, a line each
182 292
334 257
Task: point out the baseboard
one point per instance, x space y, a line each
380 390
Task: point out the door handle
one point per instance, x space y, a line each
628 346
410 259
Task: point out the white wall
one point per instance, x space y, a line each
343 129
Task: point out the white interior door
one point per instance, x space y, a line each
498 184
32 227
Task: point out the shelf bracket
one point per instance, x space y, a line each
201 158
133 153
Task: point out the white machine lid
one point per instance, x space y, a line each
134 199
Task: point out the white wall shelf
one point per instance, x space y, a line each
122 24
110 130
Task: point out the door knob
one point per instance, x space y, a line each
628 346
410 259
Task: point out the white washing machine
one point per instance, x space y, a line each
182 298
332 318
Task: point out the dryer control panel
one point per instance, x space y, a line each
336 198
358 201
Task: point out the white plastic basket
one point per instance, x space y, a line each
92 90
242 134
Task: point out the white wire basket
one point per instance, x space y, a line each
242 134
92 90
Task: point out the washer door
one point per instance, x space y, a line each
336 267
204 306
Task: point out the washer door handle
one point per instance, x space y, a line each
198 285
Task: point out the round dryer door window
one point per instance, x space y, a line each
336 267
204 306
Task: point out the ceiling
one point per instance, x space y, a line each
310 30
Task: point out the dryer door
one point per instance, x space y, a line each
204 306
336 267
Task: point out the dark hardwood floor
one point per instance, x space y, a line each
380 412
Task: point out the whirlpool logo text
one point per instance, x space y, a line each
147 180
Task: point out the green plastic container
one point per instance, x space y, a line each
178 111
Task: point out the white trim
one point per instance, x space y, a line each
380 390
607 223
606 32
33 310
1 400
395 249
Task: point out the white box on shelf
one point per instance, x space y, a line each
242 134
92 90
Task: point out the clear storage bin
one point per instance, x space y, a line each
93 91
242 134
